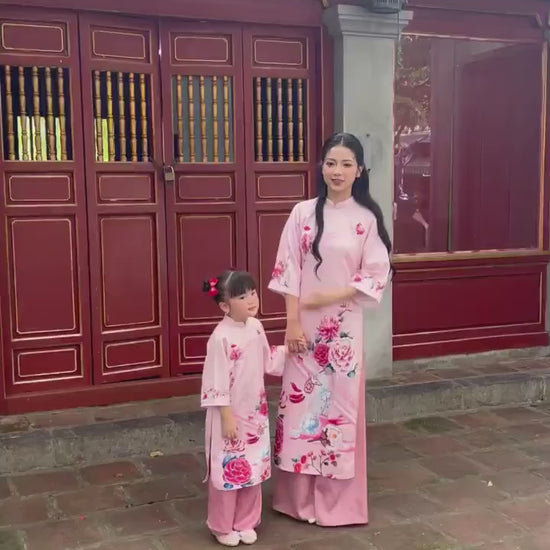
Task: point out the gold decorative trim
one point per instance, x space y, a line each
118 33
183 355
24 178
467 255
191 60
73 294
49 374
119 344
542 151
27 25
154 292
273 41
132 177
192 177
289 197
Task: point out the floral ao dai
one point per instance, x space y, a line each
318 409
238 356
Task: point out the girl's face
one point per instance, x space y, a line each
340 170
240 308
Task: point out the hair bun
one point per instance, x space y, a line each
205 286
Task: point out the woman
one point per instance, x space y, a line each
333 260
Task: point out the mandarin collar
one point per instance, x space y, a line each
232 323
340 204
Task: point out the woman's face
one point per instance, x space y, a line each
340 170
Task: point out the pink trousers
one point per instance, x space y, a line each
331 502
238 510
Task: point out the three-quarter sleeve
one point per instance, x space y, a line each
372 277
287 272
215 390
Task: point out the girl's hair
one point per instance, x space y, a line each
360 192
229 285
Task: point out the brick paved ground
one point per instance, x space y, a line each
471 481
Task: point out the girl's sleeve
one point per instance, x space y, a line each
287 272
215 375
373 274
274 356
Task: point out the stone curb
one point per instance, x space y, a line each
183 432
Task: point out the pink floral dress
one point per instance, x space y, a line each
319 404
238 355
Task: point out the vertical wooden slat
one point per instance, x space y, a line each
133 133
61 100
9 111
49 115
290 107
215 133
226 117
300 120
191 111
36 114
23 111
144 129
280 155
179 111
204 155
110 118
121 117
259 121
98 120
269 120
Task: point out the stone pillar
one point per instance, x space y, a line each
364 51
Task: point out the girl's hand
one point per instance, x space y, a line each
229 424
294 338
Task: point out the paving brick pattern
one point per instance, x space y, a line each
476 480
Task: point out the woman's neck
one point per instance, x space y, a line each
335 198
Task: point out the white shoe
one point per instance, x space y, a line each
231 539
311 521
248 537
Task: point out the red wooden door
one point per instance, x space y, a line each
205 205
280 106
44 265
94 110
126 211
238 123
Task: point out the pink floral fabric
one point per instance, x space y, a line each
318 407
238 357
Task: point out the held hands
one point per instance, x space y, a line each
294 338
229 424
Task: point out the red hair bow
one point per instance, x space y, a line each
213 290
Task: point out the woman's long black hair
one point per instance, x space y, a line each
360 192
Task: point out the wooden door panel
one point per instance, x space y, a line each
126 211
204 138
48 303
44 268
280 110
206 241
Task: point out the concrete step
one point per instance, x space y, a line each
170 426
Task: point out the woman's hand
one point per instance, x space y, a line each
294 338
317 300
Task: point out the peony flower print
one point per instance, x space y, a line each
237 470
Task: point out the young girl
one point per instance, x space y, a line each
237 438
333 260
